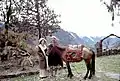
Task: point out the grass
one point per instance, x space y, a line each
26 78
79 67
108 64
103 64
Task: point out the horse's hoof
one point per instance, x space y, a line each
89 77
71 76
93 73
68 75
85 78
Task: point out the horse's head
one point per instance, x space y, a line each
81 46
55 50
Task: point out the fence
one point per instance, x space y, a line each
107 52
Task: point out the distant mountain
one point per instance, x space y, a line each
66 37
72 38
116 44
111 42
108 42
88 40
77 38
97 38
1 26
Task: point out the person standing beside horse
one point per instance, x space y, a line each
52 40
53 45
43 59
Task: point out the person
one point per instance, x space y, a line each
54 51
43 62
52 40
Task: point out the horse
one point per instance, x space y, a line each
58 55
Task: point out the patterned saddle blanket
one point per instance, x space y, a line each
73 55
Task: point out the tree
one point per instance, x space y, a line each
7 13
112 7
45 18
38 18
31 16
10 9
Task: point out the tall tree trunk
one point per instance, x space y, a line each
38 18
7 22
39 30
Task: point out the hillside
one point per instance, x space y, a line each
21 60
107 69
67 37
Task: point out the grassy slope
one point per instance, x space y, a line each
109 64
103 64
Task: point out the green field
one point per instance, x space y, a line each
106 68
108 64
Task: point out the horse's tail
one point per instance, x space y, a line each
93 62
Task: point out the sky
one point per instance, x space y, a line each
85 17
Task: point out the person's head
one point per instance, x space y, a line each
50 33
42 41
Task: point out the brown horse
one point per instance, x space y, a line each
57 55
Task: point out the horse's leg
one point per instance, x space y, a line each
88 68
91 72
55 73
69 70
93 63
51 70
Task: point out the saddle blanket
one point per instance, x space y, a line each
73 55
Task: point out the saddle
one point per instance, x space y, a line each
73 55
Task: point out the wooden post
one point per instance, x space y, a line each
100 50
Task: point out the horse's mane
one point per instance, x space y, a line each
55 56
61 49
57 50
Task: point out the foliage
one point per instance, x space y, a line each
15 39
31 16
22 44
113 7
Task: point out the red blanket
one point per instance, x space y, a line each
73 55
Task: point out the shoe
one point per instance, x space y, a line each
43 77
